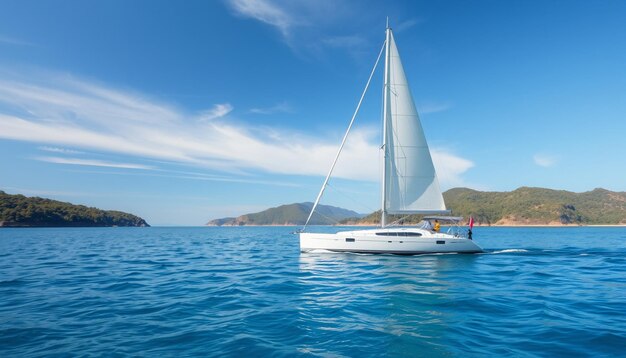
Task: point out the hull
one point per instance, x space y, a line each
404 241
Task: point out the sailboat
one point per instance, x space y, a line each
409 181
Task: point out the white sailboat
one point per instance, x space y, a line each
409 181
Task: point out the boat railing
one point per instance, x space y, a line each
458 230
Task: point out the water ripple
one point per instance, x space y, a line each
249 292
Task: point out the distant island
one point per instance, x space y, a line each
292 214
521 207
22 211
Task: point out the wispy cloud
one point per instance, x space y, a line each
218 111
66 112
172 174
307 27
544 160
433 107
60 150
279 108
405 25
266 11
450 167
94 163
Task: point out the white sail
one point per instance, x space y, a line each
411 184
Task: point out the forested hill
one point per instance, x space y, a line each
530 206
291 214
22 211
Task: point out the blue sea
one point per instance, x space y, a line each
248 291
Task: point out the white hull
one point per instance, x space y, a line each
400 241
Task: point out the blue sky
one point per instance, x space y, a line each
181 112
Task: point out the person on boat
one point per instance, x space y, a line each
437 226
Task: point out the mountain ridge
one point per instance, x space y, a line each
524 206
289 214
533 205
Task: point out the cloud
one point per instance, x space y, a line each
279 108
544 160
309 28
450 167
266 11
93 163
405 25
60 150
173 174
433 107
66 112
218 111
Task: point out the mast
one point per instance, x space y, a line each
385 113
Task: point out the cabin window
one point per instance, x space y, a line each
401 233
441 242
349 239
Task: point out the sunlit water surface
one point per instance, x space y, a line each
248 291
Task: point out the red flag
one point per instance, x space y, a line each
471 223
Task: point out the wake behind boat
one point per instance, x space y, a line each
409 181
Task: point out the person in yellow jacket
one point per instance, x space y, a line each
437 226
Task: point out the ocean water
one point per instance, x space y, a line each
248 291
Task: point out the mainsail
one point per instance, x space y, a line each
410 181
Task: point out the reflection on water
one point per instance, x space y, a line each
400 301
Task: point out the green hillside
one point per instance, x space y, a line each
539 206
22 211
291 214
528 206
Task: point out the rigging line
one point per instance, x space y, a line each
332 220
345 137
397 221
360 203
